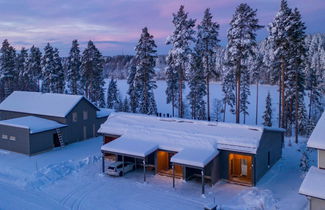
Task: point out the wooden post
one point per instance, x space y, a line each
103 163
123 165
173 166
202 176
144 170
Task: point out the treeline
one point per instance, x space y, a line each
30 70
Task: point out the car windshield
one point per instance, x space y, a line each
111 167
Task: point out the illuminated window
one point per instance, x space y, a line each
12 138
4 136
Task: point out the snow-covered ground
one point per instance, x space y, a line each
71 178
216 93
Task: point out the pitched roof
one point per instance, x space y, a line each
50 104
314 183
34 124
317 138
177 134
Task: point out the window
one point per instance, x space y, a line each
74 117
85 115
12 138
4 136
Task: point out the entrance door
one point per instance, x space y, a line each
164 166
85 132
240 168
56 141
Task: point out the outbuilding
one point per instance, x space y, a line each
185 149
32 122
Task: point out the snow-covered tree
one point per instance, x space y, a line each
34 66
48 70
280 44
126 106
197 86
267 116
144 76
244 94
59 81
91 72
7 65
178 56
24 81
228 89
172 84
241 42
133 95
206 46
112 94
218 109
73 71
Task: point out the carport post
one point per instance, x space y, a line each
173 166
123 165
202 175
144 169
103 163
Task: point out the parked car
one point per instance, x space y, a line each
116 168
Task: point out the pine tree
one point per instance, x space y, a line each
197 86
228 89
8 73
206 45
280 44
24 77
126 107
145 73
34 67
73 72
112 94
245 92
171 82
92 78
218 109
257 68
241 41
48 69
267 116
132 90
58 72
180 40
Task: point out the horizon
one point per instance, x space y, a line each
115 27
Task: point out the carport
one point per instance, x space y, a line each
196 159
129 147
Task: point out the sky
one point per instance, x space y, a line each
115 25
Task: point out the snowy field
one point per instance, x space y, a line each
71 178
216 93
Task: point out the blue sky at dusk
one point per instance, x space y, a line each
115 25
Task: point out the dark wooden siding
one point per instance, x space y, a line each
271 142
21 145
6 115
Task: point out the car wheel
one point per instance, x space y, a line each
120 174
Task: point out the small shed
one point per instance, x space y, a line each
30 135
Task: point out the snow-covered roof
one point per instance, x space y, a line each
103 112
317 138
314 183
177 134
50 104
194 157
34 124
127 146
